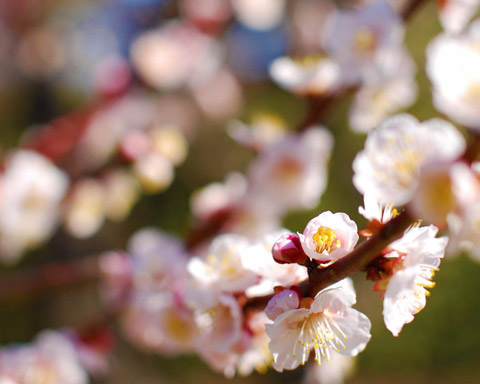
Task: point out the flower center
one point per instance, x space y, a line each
319 332
365 40
325 240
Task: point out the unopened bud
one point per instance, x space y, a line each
282 302
288 249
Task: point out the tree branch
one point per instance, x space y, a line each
359 258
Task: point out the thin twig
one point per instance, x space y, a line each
59 274
410 9
360 257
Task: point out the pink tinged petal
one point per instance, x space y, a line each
356 331
336 224
335 298
288 249
281 303
402 300
284 336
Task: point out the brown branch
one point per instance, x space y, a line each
359 258
410 9
355 262
60 274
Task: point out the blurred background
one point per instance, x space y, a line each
66 65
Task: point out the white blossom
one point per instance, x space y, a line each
452 66
416 257
390 164
329 325
329 237
31 190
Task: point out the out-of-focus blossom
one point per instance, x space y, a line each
116 276
357 37
160 322
329 324
41 52
391 89
209 16
414 259
123 191
259 14
52 358
464 224
159 261
329 237
219 96
258 258
292 173
252 218
455 14
219 320
85 209
215 197
256 356
155 316
107 127
264 129
444 189
335 372
452 66
174 56
154 172
309 18
31 190
389 166
223 268
465 231
308 76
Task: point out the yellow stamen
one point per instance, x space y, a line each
325 239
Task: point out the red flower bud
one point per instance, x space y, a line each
288 249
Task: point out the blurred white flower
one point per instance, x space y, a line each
160 322
292 173
50 359
389 166
159 261
452 66
223 267
391 89
455 14
31 190
356 38
263 130
335 372
85 208
310 75
259 14
215 197
175 55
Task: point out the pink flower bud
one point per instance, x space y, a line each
282 302
288 249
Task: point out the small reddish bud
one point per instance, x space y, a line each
288 249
